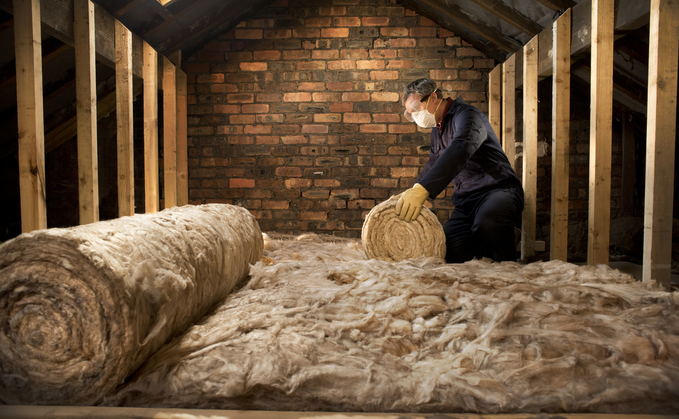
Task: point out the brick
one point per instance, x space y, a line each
370 64
241 183
373 128
384 75
298 183
259 66
402 43
470 75
430 43
354 54
258 193
297 97
334 32
268 97
346 21
266 55
402 128
257 129
327 117
387 117
341 107
311 65
286 129
310 86
429 32
394 31
240 98
316 194
294 139
313 215
287 171
344 194
385 97
357 118
375 21
326 183
340 86
241 139
456 86
398 172
200 131
384 183
400 64
242 119
215 56
325 54
271 204
277 34
484 63
255 108
226 109
468 52
248 33
328 161
223 88
355 97
318 21
361 204
261 23
210 78
268 139
314 129
306 33
296 55
341 65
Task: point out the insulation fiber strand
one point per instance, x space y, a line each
81 308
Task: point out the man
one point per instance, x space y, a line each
488 196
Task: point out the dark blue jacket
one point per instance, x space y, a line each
467 152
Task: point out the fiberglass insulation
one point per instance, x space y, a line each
320 327
81 308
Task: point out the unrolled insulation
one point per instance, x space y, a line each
320 327
81 308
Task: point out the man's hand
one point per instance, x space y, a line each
410 203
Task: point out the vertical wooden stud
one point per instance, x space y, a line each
150 75
601 126
561 93
86 110
530 146
28 50
169 133
509 109
495 100
124 116
182 138
661 132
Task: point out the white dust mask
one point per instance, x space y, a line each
423 118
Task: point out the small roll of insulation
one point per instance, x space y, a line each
82 308
387 237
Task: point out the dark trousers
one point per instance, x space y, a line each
483 226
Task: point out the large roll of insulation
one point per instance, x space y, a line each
387 237
82 308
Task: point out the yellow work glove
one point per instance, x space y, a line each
410 203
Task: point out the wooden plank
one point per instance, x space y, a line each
509 109
511 16
151 185
57 18
629 15
661 132
182 140
92 412
561 94
125 120
28 50
169 133
86 108
601 127
495 99
530 147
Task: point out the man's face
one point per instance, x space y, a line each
416 103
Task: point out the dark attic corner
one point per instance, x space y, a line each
339 209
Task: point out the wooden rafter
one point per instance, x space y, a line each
511 16
557 4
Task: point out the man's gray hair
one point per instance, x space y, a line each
421 88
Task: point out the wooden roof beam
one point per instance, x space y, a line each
557 4
511 16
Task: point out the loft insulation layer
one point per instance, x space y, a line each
320 327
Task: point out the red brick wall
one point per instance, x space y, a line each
296 113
